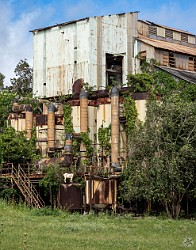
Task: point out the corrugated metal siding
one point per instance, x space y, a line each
141 109
59 136
182 61
142 28
41 135
92 122
63 54
168 46
76 118
102 191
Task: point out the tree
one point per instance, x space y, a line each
162 155
15 148
6 100
51 183
2 77
22 84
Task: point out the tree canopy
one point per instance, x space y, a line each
22 83
162 150
2 77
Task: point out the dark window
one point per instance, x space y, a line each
184 38
168 33
192 63
114 69
152 30
172 61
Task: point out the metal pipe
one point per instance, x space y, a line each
51 127
115 126
29 122
83 119
68 144
83 111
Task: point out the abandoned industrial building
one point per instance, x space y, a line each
97 53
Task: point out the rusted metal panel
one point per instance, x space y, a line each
142 28
58 119
182 61
41 120
100 191
70 197
168 46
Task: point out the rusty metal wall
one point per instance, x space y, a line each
70 197
100 191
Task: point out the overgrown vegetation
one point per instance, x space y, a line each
51 182
162 150
130 114
68 123
15 148
22 83
104 137
87 142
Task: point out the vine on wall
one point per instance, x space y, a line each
88 143
130 113
68 123
104 136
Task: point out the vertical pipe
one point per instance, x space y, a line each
29 122
51 127
115 126
83 111
83 118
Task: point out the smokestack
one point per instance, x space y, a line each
83 111
29 121
51 127
115 127
83 118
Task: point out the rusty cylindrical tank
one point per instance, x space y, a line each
29 121
83 118
68 144
115 126
51 127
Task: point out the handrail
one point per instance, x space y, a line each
26 187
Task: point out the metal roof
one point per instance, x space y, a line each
166 27
189 76
168 45
74 21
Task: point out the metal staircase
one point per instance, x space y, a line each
25 186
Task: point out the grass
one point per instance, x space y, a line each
24 228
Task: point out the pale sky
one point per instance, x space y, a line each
18 17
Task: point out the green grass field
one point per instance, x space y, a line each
23 228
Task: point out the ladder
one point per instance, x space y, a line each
25 186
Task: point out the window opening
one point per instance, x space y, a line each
114 69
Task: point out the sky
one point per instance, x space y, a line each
18 17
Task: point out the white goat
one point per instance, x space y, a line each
68 176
